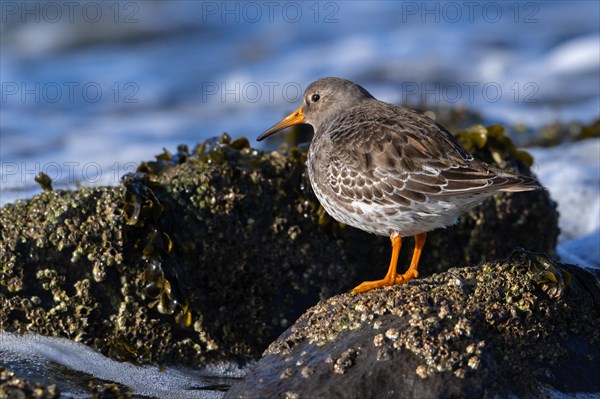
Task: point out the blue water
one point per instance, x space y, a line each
91 88
70 366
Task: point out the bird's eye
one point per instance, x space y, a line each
315 97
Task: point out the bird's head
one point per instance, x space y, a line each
322 99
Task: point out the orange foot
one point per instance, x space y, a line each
371 285
392 277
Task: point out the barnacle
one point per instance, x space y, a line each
548 275
44 181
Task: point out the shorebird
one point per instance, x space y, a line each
389 170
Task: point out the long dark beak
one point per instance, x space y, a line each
294 118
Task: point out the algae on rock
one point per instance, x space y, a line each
212 253
13 387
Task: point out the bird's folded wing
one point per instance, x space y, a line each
396 161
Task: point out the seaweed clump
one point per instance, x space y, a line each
492 145
557 133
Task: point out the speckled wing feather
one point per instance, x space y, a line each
400 156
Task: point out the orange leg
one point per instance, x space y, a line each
413 271
391 276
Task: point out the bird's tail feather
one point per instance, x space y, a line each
518 183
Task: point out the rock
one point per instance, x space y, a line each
14 387
517 327
211 254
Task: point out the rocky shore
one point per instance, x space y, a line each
516 327
211 254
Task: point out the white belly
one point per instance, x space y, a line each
383 219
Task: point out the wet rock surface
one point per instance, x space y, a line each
212 253
517 327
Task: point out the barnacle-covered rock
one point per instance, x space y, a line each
517 327
13 387
212 253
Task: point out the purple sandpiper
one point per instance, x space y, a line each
389 170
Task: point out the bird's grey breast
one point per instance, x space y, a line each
317 160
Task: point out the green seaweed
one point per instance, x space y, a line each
492 144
